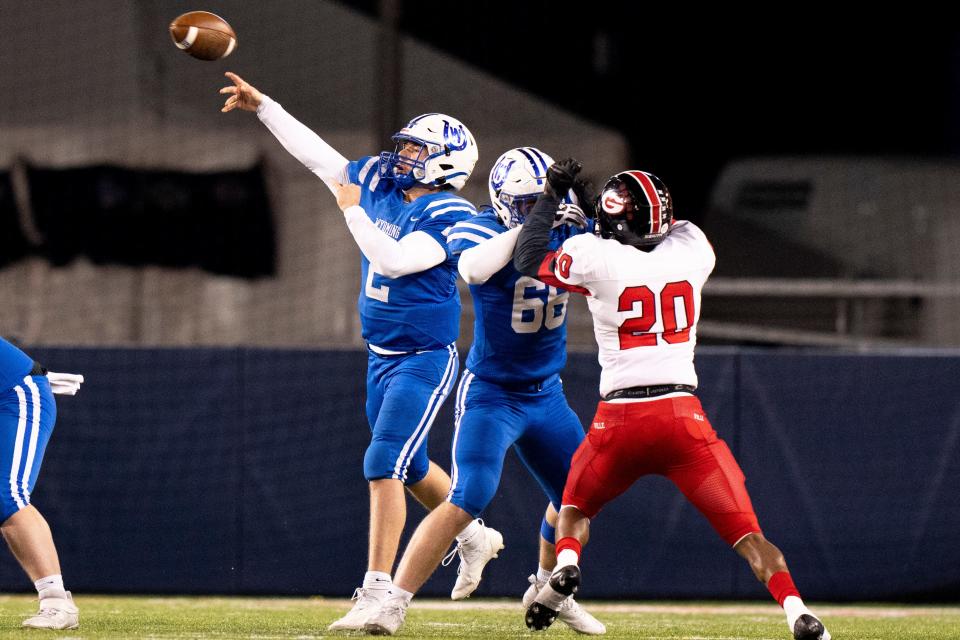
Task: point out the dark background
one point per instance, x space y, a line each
693 90
239 471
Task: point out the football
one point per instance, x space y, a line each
203 35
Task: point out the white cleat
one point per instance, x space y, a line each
388 619
367 604
571 613
474 556
55 613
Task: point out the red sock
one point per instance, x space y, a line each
781 586
569 543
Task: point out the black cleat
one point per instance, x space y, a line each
566 581
807 628
562 584
539 616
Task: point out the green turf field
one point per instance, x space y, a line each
307 618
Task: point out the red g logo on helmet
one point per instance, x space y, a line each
612 202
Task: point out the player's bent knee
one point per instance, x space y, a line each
473 496
387 459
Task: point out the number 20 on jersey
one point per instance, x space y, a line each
634 332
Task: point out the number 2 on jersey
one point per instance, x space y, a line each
381 293
634 331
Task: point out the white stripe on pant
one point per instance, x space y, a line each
415 440
19 489
461 409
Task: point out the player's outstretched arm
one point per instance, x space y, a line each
533 245
65 384
298 139
415 252
478 263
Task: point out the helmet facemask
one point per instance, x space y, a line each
406 164
518 207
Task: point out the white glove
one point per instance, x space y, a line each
569 214
64 384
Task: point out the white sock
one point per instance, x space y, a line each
50 587
566 557
469 531
543 574
794 608
396 593
377 580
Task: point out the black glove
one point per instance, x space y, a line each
560 177
586 196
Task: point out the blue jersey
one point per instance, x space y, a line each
520 331
419 311
14 365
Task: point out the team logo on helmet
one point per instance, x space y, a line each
500 172
454 136
613 202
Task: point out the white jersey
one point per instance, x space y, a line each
645 305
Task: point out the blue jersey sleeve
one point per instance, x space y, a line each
440 215
14 365
365 172
469 233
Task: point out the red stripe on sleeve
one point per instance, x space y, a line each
547 275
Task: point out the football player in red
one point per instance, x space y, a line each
643 273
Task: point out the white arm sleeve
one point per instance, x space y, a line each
478 263
415 252
302 143
64 384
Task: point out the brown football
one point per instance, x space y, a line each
203 35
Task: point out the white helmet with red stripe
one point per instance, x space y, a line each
635 208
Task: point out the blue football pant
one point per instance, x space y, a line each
538 424
404 394
27 415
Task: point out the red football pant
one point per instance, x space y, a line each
670 437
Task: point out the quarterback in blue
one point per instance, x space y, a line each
27 414
398 206
510 394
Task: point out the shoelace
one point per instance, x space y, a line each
447 559
359 594
459 550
